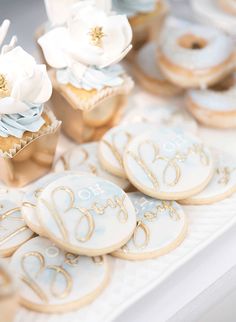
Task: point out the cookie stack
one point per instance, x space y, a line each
197 60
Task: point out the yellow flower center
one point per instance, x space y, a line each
96 35
4 89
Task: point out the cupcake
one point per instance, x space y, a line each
145 16
28 130
90 87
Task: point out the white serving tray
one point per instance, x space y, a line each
131 281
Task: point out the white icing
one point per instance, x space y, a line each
164 226
85 230
169 154
211 12
223 181
12 223
84 275
85 158
218 49
215 100
147 60
167 115
118 137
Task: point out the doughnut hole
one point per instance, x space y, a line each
190 41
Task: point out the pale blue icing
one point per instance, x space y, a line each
132 7
93 77
17 124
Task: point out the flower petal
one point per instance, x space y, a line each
16 64
36 89
9 105
54 44
58 11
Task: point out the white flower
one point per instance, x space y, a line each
58 11
23 83
92 37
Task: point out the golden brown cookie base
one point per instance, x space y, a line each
212 118
196 78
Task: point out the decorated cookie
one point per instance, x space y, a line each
222 184
86 215
56 281
29 201
8 293
148 73
85 158
113 144
214 107
168 164
167 115
13 229
161 227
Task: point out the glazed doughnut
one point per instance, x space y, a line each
219 13
215 107
148 73
196 56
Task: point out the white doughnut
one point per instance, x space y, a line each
219 13
196 56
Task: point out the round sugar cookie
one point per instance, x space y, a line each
86 215
222 184
164 115
13 229
168 164
161 227
84 157
52 280
29 201
114 143
148 73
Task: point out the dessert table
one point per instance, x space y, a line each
195 282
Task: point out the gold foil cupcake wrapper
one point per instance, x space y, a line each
33 157
87 115
97 97
55 124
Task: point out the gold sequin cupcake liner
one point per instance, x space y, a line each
32 156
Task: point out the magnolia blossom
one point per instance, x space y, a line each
92 37
58 11
23 83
